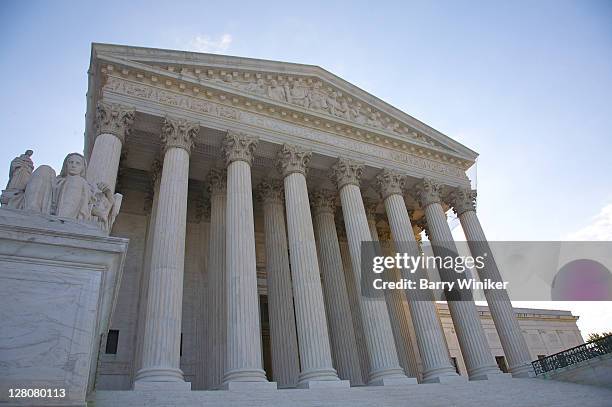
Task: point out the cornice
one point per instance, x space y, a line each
204 61
158 77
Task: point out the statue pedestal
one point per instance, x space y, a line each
59 281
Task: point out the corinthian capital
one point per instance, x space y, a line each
389 183
346 172
370 206
463 200
178 133
428 192
114 119
293 159
270 191
323 201
217 181
239 147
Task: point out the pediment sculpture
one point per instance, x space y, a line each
67 195
320 97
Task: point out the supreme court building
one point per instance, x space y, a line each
248 187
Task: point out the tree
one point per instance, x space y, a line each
595 336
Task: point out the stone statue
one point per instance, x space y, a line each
276 92
298 94
68 195
72 194
318 100
19 175
257 87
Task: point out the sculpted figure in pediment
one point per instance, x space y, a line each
257 87
276 92
298 94
318 99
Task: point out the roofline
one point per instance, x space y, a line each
97 47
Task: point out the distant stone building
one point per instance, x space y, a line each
546 331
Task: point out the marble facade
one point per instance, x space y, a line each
245 188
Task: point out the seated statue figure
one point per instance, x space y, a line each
70 195
19 175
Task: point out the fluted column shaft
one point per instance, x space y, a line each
384 364
509 331
313 336
397 317
113 125
153 200
283 337
217 315
428 330
353 296
344 345
477 356
161 346
243 356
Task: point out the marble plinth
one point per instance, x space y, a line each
58 285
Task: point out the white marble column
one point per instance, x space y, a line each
243 354
353 296
217 306
512 339
477 356
151 203
283 337
384 364
437 366
161 346
313 337
344 345
114 123
393 298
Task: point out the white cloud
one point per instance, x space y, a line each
599 228
206 43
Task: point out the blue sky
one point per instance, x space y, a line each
525 84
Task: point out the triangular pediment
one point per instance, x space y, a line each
302 88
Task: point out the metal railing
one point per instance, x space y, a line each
573 355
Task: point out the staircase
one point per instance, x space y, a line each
589 363
502 393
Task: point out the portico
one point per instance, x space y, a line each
237 278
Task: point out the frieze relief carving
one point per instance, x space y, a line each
309 93
204 106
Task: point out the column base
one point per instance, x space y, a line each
324 384
160 378
440 374
387 377
492 377
318 375
447 379
393 381
144 385
244 375
522 371
249 386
